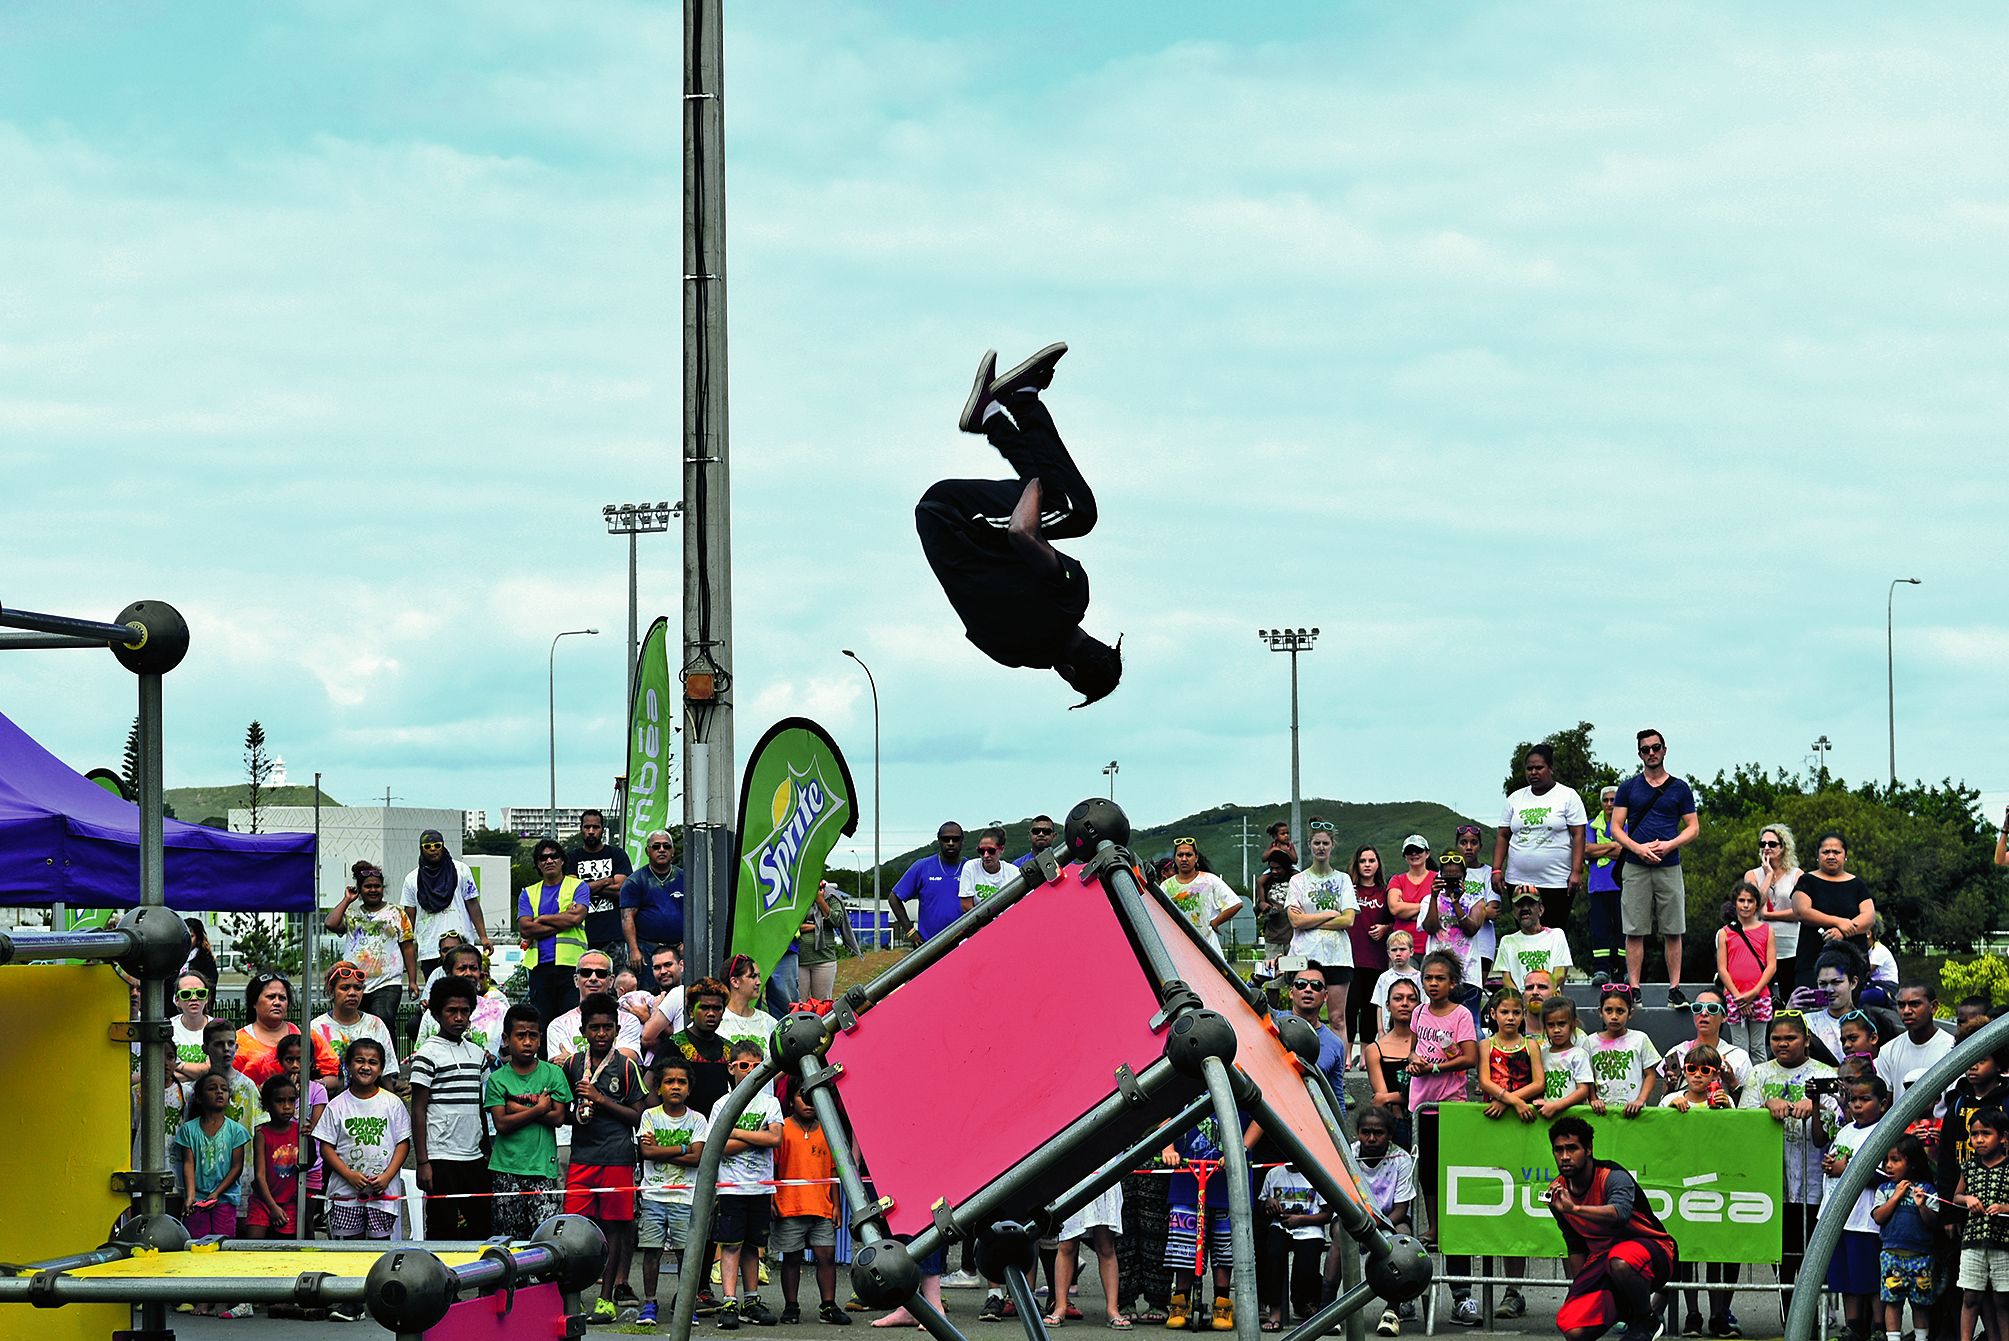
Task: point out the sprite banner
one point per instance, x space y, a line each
794 804
1714 1178
649 744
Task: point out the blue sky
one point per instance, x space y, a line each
1558 361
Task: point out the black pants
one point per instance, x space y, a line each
551 990
1302 1260
1140 1253
455 1217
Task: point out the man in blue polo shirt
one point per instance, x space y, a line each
936 881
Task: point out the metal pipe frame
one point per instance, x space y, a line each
1130 897
95 632
1112 1172
929 952
1241 1207
704 1189
1026 1302
17 947
1865 1165
150 1315
26 642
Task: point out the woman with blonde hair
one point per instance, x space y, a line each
1776 876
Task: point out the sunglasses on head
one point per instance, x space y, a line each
1185 842
1619 989
1322 826
1862 1015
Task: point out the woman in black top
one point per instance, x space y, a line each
1833 905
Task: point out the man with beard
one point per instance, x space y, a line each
604 869
1617 1251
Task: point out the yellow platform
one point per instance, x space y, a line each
210 1264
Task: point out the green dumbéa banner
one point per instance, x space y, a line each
794 804
650 740
1715 1178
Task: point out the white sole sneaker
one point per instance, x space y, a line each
972 420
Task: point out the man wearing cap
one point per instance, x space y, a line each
1532 947
1601 856
439 896
990 541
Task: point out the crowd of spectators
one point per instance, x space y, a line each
1439 980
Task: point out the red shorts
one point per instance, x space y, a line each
1590 1304
615 1204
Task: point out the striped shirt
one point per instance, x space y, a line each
452 1076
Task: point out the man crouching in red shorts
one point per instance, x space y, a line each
1619 1253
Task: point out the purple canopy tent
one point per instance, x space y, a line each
64 839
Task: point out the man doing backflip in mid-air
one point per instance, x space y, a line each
989 541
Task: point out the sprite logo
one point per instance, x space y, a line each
802 806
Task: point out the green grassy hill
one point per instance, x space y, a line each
196 804
1219 832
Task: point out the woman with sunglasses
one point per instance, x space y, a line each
270 1000
440 897
191 1003
1775 877
1710 1011
551 922
376 938
1833 905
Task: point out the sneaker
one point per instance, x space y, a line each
1035 373
972 418
1725 1326
830 1313
346 1313
604 1313
624 1295
1600 979
1676 998
961 1280
1224 1313
1465 1312
993 1309
1390 1325
647 1316
237 1311
1511 1304
1692 1325
790 1313
728 1316
757 1313
707 1302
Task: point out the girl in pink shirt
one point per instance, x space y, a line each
1747 959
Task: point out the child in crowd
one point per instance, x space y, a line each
1388 1058
447 1073
527 1099
1511 1076
608 1093
1184 1230
805 1208
1531 945
1780 1087
1702 1089
275 1161
219 1044
1983 1192
1447 1049
740 1226
672 1141
1099 1222
1853 1271
1709 1011
210 1149
1969 1014
365 1135
1291 1249
191 1001
1401 968
345 1020
1747 960
1906 1213
1391 1185
1858 1037
1983 1087
313 1101
1922 1043
1566 1077
1623 1061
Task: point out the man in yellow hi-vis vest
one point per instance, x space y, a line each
550 919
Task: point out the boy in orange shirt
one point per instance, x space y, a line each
805 1210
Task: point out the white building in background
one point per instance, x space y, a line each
534 821
475 822
386 836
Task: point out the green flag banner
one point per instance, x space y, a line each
794 804
1715 1179
649 744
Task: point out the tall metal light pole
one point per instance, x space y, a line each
631 520
1110 770
1292 641
877 901
1820 749
1890 664
551 687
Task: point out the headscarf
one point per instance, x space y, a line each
438 882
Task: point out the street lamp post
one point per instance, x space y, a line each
1292 641
1110 770
1820 749
1890 664
631 520
551 695
877 901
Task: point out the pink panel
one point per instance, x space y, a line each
991 1052
537 1311
1260 1054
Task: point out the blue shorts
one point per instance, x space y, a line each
1907 1278
1856 1268
663 1224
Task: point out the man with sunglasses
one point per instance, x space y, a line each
440 896
990 541
604 869
935 882
1040 833
550 920
652 902
566 1035
1307 988
1653 818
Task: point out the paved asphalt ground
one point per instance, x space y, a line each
1759 1314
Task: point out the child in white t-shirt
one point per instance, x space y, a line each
1292 1247
1623 1061
1401 968
1566 1077
365 1135
745 1177
672 1139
